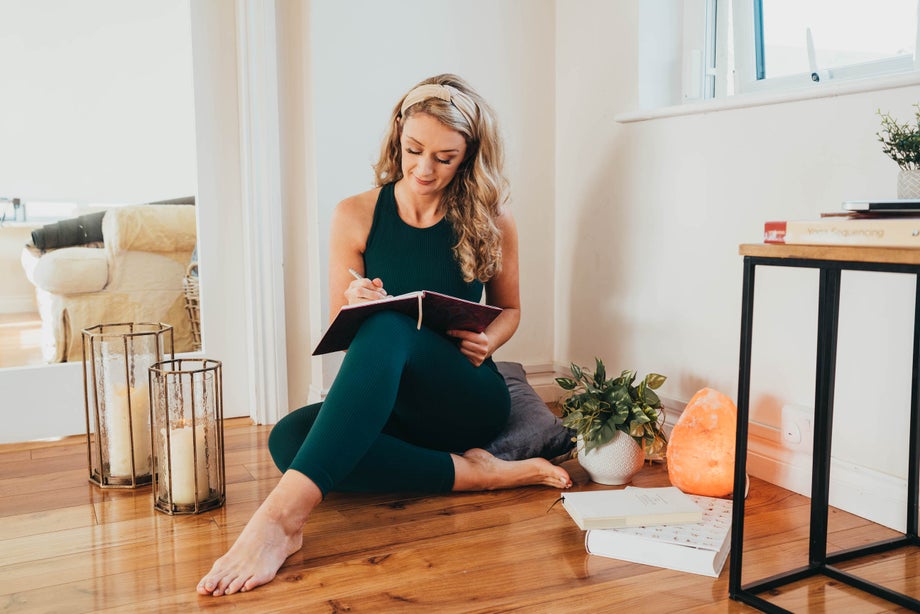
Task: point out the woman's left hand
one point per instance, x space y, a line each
474 346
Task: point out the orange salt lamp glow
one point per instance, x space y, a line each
701 448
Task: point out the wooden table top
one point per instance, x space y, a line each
847 253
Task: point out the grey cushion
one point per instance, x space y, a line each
532 429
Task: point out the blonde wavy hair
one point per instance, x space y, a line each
475 197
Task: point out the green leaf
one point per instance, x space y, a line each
566 383
636 429
627 377
607 432
639 418
600 373
573 420
589 444
577 372
652 399
620 415
619 397
654 380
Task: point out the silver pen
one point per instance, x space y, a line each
360 277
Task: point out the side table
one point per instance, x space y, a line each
830 261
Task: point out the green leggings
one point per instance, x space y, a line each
403 400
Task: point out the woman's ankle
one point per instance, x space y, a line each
292 500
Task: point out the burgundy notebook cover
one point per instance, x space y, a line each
438 311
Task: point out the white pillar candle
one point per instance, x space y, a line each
119 430
185 460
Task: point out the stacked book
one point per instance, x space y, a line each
663 527
892 223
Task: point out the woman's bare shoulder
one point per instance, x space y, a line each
360 206
352 220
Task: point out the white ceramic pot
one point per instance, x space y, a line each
615 462
909 184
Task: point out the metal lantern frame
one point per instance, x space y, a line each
96 380
184 401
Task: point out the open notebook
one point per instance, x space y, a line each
438 311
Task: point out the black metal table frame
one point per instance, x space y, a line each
819 561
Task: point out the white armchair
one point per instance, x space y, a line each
136 276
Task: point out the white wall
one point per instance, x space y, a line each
649 217
367 54
96 100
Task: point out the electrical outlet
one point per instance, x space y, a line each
798 427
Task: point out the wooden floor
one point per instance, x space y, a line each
20 340
67 546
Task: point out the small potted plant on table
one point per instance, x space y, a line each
617 421
901 143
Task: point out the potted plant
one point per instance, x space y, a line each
901 143
617 421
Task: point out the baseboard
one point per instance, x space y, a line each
864 492
542 378
870 494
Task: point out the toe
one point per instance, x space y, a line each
206 586
235 585
223 586
252 583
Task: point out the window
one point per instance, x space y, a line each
690 51
779 45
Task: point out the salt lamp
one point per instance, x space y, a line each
701 448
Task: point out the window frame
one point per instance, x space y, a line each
748 50
713 25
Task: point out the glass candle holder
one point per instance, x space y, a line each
116 358
188 435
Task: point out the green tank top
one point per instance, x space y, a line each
407 258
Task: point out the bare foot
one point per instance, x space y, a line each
479 470
273 533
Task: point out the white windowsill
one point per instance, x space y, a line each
741 101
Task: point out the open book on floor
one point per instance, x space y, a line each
699 548
630 507
438 311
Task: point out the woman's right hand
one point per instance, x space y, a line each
363 290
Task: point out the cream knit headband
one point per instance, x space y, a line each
447 93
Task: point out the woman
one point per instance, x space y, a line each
409 409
